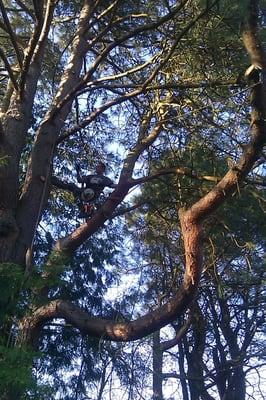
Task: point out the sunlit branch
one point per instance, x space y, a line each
108 9
144 141
183 171
117 76
104 328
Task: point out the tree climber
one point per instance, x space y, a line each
94 186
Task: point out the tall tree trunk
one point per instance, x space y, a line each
157 365
181 365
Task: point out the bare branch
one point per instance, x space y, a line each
103 328
96 113
117 76
71 187
168 344
183 171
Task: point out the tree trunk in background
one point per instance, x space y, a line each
157 365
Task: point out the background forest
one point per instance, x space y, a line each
160 294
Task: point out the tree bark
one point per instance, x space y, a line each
36 188
15 121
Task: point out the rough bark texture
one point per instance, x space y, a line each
35 190
15 122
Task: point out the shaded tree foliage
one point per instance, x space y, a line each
219 345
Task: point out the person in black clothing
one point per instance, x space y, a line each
94 186
97 182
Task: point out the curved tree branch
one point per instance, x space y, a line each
183 171
168 344
104 328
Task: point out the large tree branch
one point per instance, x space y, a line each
71 187
101 328
40 162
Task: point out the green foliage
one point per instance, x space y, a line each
15 370
11 281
